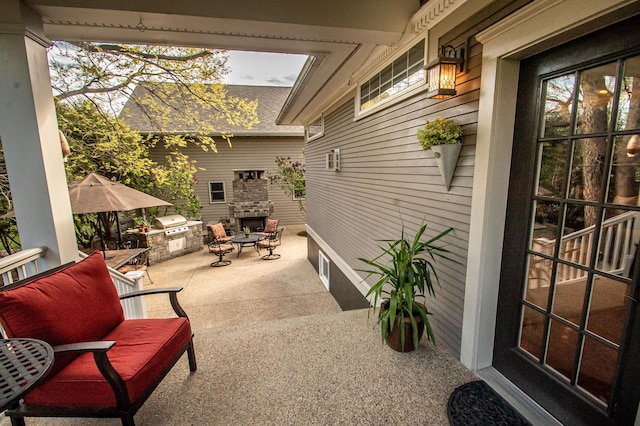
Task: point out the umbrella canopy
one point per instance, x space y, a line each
95 193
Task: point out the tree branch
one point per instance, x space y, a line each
121 50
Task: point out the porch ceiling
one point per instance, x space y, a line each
339 35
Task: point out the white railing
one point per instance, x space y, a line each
24 264
21 264
128 283
615 248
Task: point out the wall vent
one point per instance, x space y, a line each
333 160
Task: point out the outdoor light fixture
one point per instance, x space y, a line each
442 72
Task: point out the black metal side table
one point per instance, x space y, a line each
23 362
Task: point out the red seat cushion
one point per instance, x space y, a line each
144 349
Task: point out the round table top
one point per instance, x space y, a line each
252 238
23 362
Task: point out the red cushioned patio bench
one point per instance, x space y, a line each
105 365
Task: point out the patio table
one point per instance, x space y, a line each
117 258
244 241
23 362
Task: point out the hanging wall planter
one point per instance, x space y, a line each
447 157
444 138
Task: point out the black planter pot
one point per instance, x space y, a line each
394 338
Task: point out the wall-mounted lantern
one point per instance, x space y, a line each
442 72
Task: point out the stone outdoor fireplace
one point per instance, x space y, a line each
251 205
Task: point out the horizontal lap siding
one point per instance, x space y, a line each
387 179
250 154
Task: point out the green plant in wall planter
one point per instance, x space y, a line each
405 270
444 138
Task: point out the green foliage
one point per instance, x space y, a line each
176 181
8 229
290 177
179 88
108 147
439 132
404 274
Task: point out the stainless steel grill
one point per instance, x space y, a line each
171 221
172 224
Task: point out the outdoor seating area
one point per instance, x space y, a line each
274 347
221 243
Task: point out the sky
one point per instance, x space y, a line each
263 69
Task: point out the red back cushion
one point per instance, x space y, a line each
218 231
271 226
78 303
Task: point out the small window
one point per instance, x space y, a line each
323 269
315 129
216 192
299 191
406 71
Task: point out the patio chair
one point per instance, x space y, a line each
220 248
218 232
270 243
105 365
270 226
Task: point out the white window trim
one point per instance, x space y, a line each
323 269
224 191
397 97
317 135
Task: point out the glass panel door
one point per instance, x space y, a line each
584 226
567 327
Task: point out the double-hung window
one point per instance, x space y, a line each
216 192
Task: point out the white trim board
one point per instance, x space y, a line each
532 26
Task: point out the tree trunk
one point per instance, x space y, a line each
594 120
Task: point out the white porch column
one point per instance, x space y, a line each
29 134
488 212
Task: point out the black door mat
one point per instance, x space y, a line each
475 403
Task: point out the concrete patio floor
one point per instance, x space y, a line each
274 348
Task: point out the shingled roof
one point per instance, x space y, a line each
270 101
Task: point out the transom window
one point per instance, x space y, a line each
404 72
216 192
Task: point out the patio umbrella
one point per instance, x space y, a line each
95 193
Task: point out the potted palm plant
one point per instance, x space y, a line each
405 270
444 138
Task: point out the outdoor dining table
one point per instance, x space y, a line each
247 241
118 258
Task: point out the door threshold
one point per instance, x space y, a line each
519 400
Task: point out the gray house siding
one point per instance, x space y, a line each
246 153
387 180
